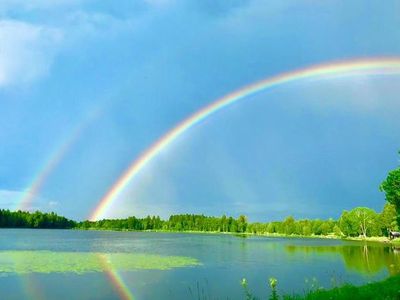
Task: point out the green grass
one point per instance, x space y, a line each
25 262
381 290
396 242
386 289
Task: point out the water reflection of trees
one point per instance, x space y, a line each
365 259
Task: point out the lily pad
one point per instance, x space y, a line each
25 262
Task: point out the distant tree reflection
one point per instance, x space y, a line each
365 259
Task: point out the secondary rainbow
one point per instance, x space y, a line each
25 202
370 66
56 157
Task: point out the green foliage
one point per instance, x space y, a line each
306 230
273 282
247 294
185 222
388 218
348 225
289 225
360 221
242 223
23 219
337 231
386 289
391 187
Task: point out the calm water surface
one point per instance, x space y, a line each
224 260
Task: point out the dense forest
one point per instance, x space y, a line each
360 221
23 219
185 222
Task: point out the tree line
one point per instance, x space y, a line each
24 219
360 221
184 222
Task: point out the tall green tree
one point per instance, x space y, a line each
347 224
391 187
360 220
242 223
289 225
388 218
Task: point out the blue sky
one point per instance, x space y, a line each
122 74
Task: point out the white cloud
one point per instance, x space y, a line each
26 51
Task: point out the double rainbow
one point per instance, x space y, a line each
372 66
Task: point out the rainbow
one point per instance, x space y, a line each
27 198
115 278
371 66
30 287
25 202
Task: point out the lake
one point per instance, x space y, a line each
72 264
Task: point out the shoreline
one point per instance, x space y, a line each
377 239
374 239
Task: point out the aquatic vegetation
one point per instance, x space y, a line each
24 262
273 282
248 295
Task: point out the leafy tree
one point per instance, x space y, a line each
337 231
391 187
325 228
306 230
289 225
242 223
347 224
317 227
388 218
271 228
360 220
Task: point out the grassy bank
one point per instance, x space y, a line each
386 289
374 239
383 290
